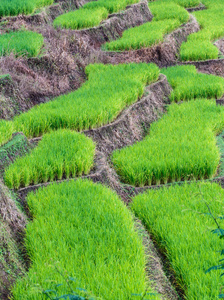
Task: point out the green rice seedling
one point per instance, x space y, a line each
16 7
109 89
21 43
167 17
59 152
112 6
143 36
81 18
168 10
179 220
91 14
184 3
6 130
213 4
180 146
199 45
85 229
187 83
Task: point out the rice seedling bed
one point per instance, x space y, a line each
181 146
27 43
81 18
179 220
59 154
91 14
95 230
167 17
17 7
184 3
187 83
107 92
199 45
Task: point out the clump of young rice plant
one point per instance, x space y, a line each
180 146
163 10
91 14
178 219
21 43
6 130
81 18
60 154
167 17
199 45
109 89
112 6
184 3
87 230
187 83
143 36
16 7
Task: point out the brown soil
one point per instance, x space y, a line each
12 224
197 8
220 45
11 102
154 268
213 66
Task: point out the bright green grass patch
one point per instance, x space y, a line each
184 3
6 130
213 4
179 221
21 43
199 45
87 229
170 10
143 36
167 17
59 154
16 7
181 146
109 89
91 14
112 6
187 83
81 18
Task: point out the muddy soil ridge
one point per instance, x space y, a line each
11 101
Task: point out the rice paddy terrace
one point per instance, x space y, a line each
111 149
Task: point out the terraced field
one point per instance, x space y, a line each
111 149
